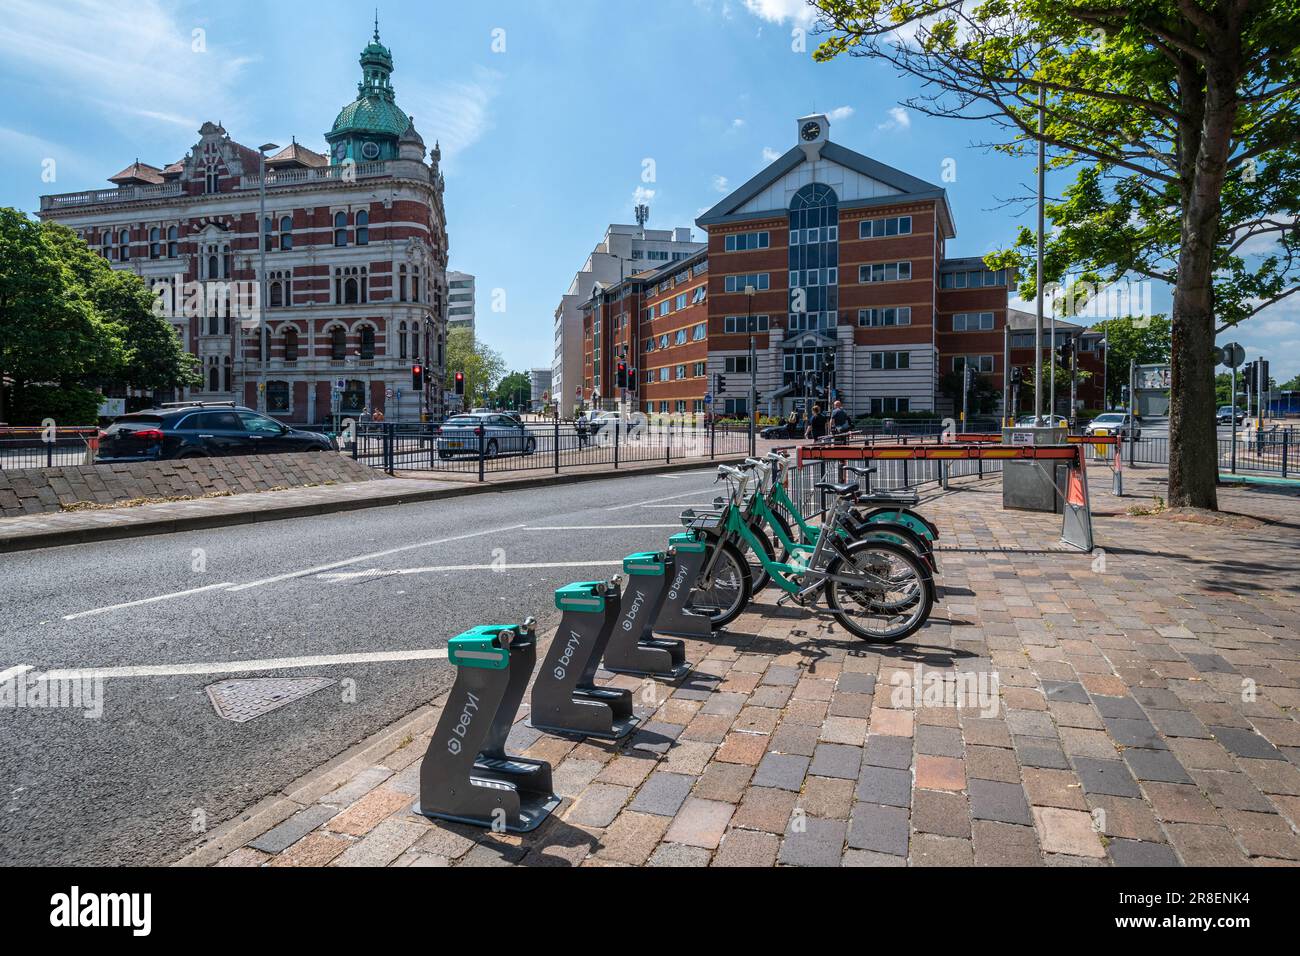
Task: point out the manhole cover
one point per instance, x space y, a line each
241 700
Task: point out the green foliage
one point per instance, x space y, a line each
1146 341
482 365
68 405
514 391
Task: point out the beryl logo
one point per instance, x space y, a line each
562 667
75 909
462 726
630 617
677 584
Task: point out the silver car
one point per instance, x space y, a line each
496 434
1114 423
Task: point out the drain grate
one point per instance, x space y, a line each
242 700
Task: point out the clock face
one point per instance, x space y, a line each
810 131
370 150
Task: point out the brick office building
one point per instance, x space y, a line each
356 256
826 256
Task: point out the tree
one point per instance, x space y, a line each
70 324
482 365
1180 119
1143 340
514 391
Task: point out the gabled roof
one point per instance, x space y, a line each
138 174
909 187
296 154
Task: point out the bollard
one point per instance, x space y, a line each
688 560
467 775
633 648
566 700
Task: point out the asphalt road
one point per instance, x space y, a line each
130 786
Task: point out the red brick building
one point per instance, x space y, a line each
355 245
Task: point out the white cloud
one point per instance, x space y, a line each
642 196
737 123
135 64
798 12
455 114
899 118
840 113
721 184
770 155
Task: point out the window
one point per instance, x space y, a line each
699 369
351 291
363 228
679 302
663 374
698 295
401 283
680 337
291 344
214 267
663 307
885 272
286 233
699 332
894 226
890 406
214 379
650 344
889 361
736 363
338 343
173 246
980 363
125 239
155 242
747 240
882 317
106 244
277 295
268 242
211 180
973 279
340 229
663 341
972 322
736 406
401 340
367 342
759 280
680 371
745 323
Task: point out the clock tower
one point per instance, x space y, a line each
814 133
369 128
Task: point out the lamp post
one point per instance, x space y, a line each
753 369
1105 369
262 237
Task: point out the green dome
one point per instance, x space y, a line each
371 114
369 126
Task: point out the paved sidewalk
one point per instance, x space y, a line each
1144 713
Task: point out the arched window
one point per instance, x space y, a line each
814 258
226 373
338 343
267 241
211 180
155 244
214 267
340 229
277 295
401 340
173 247
125 239
214 324
351 295
415 285
401 283
286 233
106 243
363 228
367 342
415 340
291 344
214 379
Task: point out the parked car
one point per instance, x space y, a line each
1060 421
1114 423
496 434
782 430
1225 415
203 430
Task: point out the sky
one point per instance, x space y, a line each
546 111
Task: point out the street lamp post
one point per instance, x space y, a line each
262 236
753 370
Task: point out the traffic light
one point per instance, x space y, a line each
460 383
1248 376
722 383
631 379
1063 353
417 377
622 375
1016 375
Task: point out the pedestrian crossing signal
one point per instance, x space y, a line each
417 377
460 383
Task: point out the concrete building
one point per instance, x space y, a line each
460 301
355 245
541 386
623 251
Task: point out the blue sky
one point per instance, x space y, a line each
543 141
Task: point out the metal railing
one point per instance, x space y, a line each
1269 451
540 446
34 451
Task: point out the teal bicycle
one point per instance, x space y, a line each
877 589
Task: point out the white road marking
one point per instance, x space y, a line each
369 557
689 504
377 573
652 501
13 672
594 527
148 600
241 667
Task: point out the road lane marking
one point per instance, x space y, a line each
653 501
595 527
241 667
13 672
148 600
369 557
378 573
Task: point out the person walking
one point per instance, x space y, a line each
818 424
841 424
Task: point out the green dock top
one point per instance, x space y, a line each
648 563
685 542
486 646
586 596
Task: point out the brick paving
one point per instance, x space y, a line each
1144 714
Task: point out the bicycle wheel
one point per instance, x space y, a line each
731 590
891 598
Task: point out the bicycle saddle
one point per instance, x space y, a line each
859 470
843 489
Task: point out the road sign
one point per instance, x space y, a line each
1233 355
388 394
708 398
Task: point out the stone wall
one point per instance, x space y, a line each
36 490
